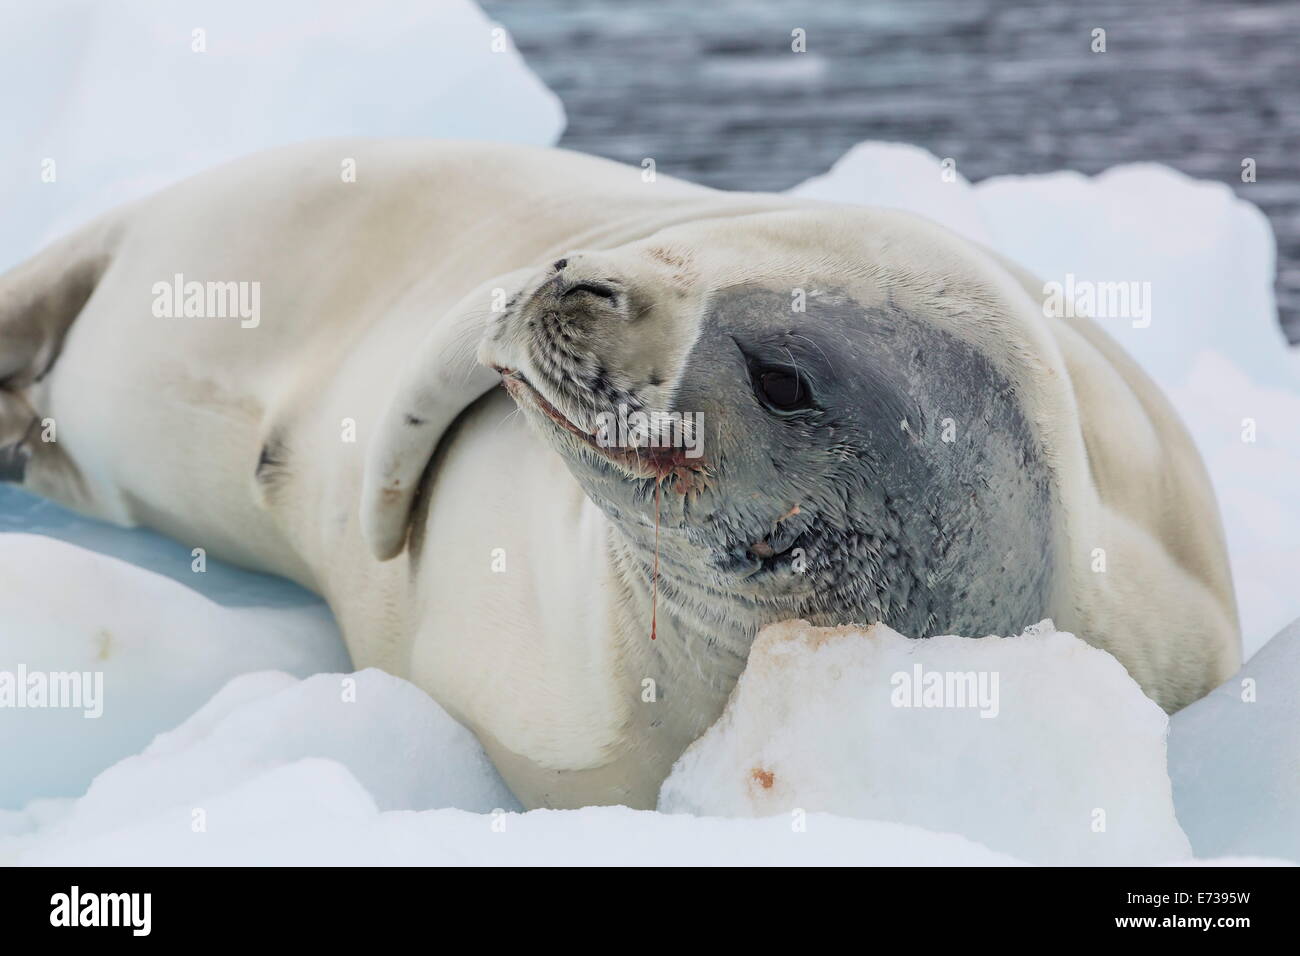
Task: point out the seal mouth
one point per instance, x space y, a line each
640 462
520 388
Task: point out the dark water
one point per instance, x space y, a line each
713 93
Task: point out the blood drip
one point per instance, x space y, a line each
654 580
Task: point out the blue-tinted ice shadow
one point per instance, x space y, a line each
222 583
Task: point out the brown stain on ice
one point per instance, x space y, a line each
765 778
104 640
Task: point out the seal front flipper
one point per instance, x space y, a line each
439 382
39 302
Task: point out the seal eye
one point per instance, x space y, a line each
596 289
783 389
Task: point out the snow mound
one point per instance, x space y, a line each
1039 746
1234 757
1213 342
154 649
901 176
390 746
315 812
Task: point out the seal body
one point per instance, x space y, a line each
889 430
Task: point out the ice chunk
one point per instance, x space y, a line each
1249 434
1234 757
1209 258
901 176
1039 746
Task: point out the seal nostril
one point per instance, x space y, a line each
560 264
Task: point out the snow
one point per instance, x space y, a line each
160 647
279 771
366 768
314 812
1061 758
373 734
292 760
157 110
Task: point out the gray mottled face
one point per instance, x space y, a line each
857 464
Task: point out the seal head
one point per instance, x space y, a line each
819 451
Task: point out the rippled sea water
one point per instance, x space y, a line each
714 93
